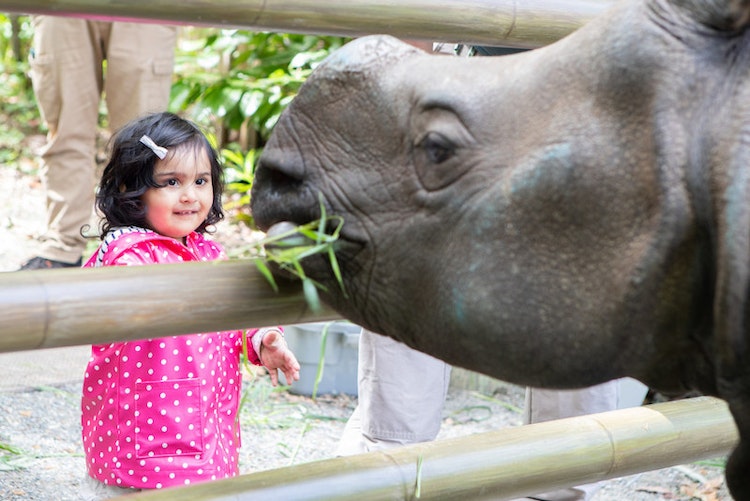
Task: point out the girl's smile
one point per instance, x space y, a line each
185 194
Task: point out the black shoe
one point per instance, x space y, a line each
40 263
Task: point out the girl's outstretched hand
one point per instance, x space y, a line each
275 355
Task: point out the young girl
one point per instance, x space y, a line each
163 412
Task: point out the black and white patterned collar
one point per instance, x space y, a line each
113 235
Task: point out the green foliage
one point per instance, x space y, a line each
243 77
286 250
239 170
17 103
15 86
321 359
11 457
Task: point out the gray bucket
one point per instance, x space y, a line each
340 357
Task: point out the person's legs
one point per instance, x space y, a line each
547 405
66 72
140 62
401 396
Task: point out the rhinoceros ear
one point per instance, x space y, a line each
725 15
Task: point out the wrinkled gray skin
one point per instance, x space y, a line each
555 218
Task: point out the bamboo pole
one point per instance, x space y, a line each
503 464
67 307
514 23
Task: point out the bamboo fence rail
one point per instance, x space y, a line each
513 23
49 308
504 464
68 307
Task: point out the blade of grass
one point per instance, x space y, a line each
266 272
9 448
321 358
295 452
418 486
336 269
311 295
321 225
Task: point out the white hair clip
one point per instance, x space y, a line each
158 150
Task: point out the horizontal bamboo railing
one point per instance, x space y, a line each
514 23
67 307
49 308
503 464
71 307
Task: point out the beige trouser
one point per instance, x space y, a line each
402 395
69 78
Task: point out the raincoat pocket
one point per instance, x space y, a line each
168 418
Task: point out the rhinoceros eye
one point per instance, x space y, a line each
437 148
442 147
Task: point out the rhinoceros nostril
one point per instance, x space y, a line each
282 162
281 194
273 180
281 179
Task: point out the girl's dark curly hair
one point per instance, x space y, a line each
129 172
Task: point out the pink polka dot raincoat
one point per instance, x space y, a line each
162 412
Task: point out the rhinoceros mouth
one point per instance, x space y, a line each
285 234
283 199
286 245
288 234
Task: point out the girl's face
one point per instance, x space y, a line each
186 194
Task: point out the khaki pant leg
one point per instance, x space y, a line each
401 396
546 405
140 62
65 69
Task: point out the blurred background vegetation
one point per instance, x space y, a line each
234 83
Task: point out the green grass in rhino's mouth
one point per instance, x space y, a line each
286 244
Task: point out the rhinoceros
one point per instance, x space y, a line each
558 218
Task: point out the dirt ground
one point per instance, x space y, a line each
40 452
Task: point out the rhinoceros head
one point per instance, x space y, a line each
558 217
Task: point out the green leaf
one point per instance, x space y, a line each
263 268
311 295
321 359
336 269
